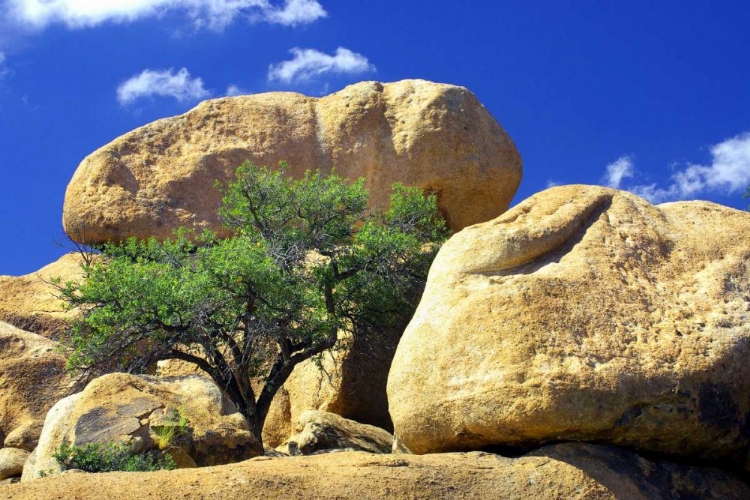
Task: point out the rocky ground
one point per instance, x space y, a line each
554 473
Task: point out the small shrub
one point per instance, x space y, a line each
172 430
110 457
165 436
147 462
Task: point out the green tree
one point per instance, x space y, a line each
305 263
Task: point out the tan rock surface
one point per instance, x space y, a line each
583 313
11 462
161 176
630 476
32 379
31 303
131 409
555 473
41 460
309 387
350 383
327 431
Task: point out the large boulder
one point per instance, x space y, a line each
32 302
136 410
161 176
583 313
564 471
32 379
327 431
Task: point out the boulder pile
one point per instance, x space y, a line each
600 340
162 176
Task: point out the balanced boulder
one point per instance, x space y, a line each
32 379
583 314
32 302
187 413
162 176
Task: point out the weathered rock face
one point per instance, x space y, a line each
30 302
32 379
565 471
327 431
161 176
11 462
133 409
349 383
309 387
588 314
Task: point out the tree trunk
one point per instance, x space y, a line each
249 410
256 427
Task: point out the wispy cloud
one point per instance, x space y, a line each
619 170
164 83
4 70
214 14
728 173
308 64
234 90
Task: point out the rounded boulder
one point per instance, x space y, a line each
163 175
188 415
583 314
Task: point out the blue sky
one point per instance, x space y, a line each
648 96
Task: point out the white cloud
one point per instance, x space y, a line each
728 173
215 14
619 170
310 63
655 194
234 90
295 12
164 83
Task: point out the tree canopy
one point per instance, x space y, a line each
306 262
